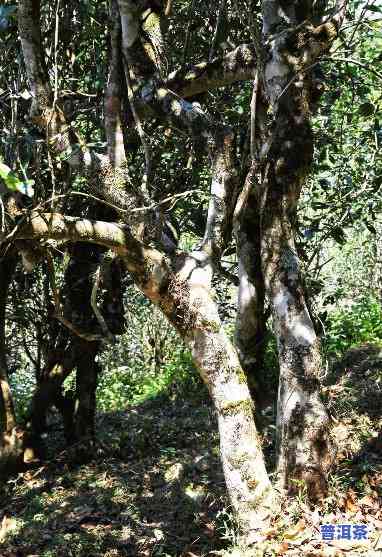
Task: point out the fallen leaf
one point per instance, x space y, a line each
350 505
345 545
293 532
378 543
270 533
282 548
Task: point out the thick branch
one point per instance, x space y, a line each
238 65
148 266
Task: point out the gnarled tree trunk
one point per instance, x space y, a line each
291 88
248 484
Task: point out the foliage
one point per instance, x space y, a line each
360 322
133 384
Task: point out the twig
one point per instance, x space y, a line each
2 210
291 81
352 61
56 30
168 9
174 198
253 116
50 160
187 39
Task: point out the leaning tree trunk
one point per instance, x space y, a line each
250 335
305 451
247 480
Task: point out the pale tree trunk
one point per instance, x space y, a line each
248 484
305 451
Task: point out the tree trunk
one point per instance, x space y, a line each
7 412
15 444
194 313
250 335
305 451
48 390
292 89
86 386
377 275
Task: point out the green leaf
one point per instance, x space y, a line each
376 9
10 179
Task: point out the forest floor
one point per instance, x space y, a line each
155 486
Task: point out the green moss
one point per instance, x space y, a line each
240 374
238 407
212 326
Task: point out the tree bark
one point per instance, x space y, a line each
305 450
250 334
86 386
7 411
248 484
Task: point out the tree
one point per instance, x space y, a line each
282 61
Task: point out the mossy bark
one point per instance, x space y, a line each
292 87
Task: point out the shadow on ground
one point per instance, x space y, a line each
154 488
354 397
154 485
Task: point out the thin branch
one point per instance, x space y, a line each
189 21
56 37
356 63
253 116
173 199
